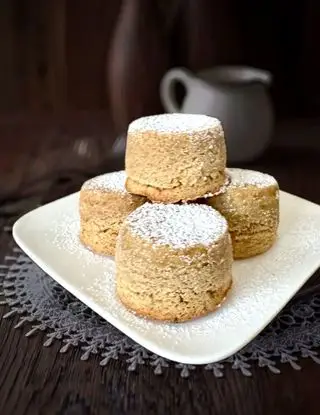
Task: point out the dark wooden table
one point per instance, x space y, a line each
38 380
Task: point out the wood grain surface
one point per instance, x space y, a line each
38 380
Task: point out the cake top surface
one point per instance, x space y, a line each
174 123
243 177
179 226
113 182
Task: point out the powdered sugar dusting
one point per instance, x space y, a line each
261 287
174 123
112 182
66 238
178 226
95 277
243 177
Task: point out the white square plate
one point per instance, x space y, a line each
262 285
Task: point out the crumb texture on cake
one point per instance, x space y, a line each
174 157
250 203
173 262
104 203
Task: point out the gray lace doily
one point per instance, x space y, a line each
38 300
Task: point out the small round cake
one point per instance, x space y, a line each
173 262
175 157
250 203
104 204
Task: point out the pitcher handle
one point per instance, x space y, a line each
167 93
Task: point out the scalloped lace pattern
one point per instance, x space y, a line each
45 305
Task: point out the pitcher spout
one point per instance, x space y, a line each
258 75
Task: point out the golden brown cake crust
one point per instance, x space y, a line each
104 204
173 262
164 315
174 157
251 206
176 194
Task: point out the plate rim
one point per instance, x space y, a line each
132 333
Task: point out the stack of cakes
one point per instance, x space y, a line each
177 217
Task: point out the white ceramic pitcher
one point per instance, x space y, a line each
236 95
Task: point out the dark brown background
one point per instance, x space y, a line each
55 57
54 60
54 52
